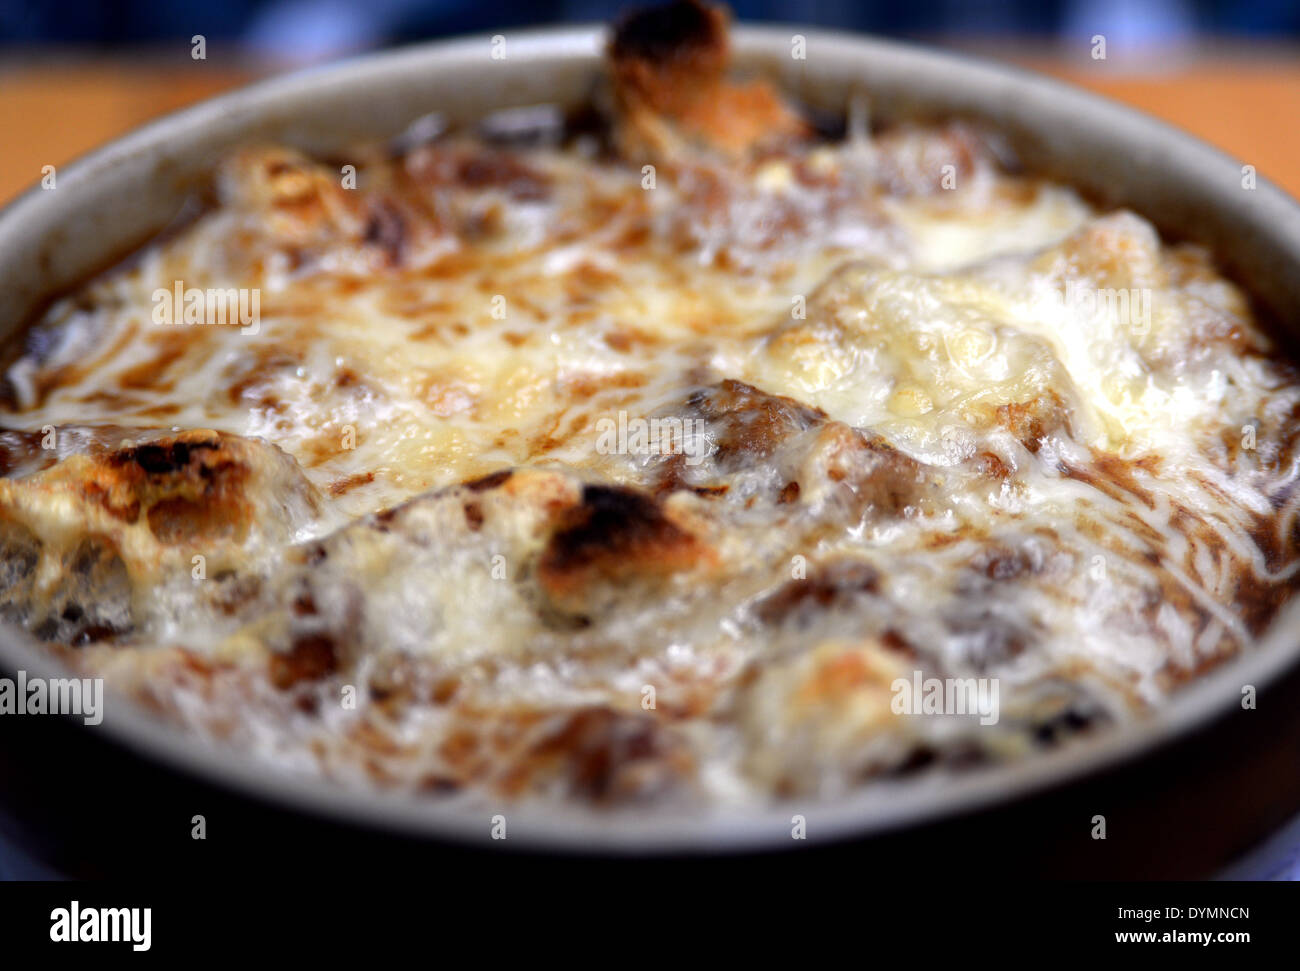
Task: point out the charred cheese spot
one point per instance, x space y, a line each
614 536
148 508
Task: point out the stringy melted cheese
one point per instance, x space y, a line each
921 456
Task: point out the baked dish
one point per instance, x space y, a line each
649 455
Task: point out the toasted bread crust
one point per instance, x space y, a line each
669 68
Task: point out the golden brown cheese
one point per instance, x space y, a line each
538 479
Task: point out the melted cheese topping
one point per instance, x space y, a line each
929 417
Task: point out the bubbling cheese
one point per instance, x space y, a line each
870 425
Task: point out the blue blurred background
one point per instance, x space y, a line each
304 30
